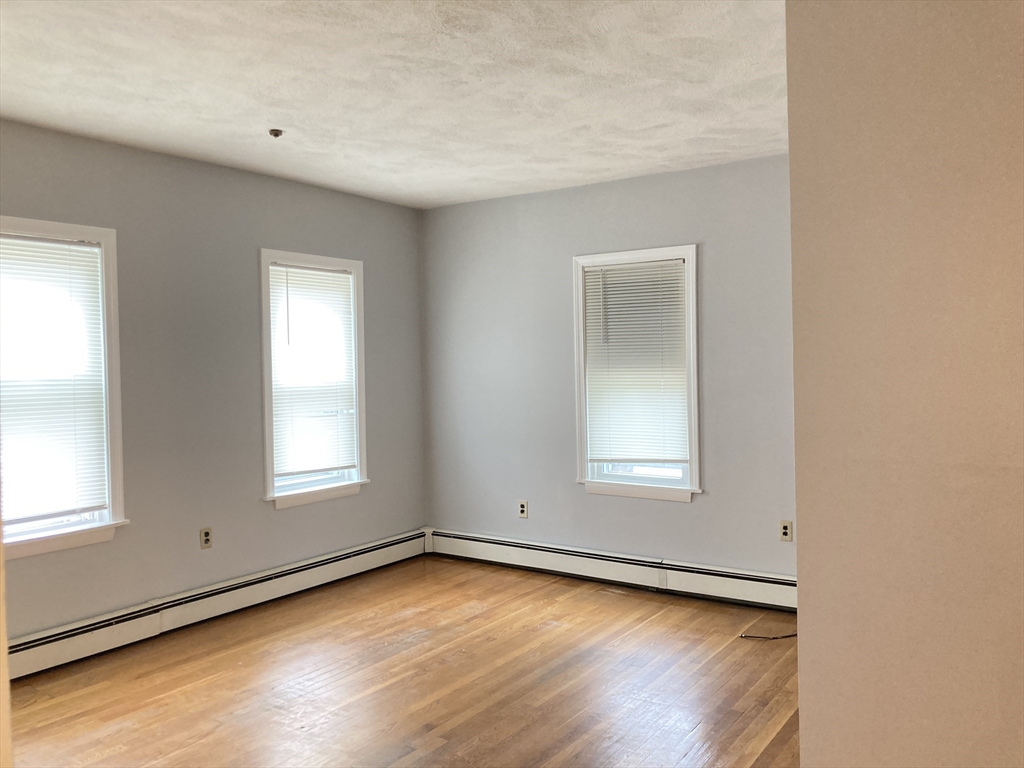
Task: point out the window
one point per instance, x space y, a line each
313 377
636 372
60 442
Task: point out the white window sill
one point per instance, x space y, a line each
26 546
320 494
662 492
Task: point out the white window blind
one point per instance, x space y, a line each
314 378
54 442
636 372
636 363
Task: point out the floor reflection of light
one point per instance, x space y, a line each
310 698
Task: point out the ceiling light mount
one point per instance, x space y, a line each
276 132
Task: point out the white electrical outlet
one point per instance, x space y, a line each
524 508
205 538
785 530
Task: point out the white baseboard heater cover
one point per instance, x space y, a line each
702 581
43 650
33 653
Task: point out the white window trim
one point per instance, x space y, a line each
636 490
25 546
285 501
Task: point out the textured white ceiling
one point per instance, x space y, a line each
420 103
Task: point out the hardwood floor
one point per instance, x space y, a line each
432 662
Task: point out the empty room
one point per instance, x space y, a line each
512 383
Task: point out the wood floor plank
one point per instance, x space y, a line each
784 748
432 662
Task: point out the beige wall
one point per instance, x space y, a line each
908 289
6 746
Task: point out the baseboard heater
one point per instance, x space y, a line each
43 650
701 581
33 653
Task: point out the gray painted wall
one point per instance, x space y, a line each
188 237
484 289
499 353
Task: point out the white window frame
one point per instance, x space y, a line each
636 490
283 501
93 533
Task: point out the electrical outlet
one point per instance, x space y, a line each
524 508
785 530
205 538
